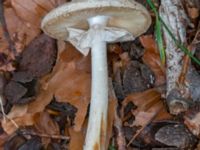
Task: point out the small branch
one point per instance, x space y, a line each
59 137
185 67
2 109
173 14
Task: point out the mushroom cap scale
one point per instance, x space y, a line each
124 14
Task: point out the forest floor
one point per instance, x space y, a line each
45 86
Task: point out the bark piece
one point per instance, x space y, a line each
14 143
192 119
32 144
137 77
21 89
176 136
118 84
39 57
173 14
134 50
147 136
14 91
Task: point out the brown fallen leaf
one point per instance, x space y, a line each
151 58
148 104
76 89
192 120
69 82
45 125
33 11
23 18
11 125
193 9
77 138
20 33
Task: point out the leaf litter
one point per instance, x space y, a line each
47 88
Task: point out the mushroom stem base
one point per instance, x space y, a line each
97 125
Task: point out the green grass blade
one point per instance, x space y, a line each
160 40
177 42
158 32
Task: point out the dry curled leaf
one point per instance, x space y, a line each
69 82
192 120
44 124
148 104
10 126
151 58
78 96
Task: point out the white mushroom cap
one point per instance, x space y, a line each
124 14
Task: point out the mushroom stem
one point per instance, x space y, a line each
97 125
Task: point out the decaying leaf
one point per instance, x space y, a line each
192 120
192 8
44 124
148 105
69 82
11 125
151 58
19 31
23 18
74 72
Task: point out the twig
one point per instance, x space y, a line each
2 109
60 137
172 13
186 63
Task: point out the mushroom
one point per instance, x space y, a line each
91 24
